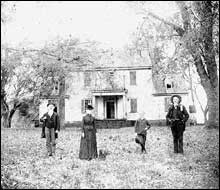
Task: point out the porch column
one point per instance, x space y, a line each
94 105
124 107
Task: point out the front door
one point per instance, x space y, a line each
110 109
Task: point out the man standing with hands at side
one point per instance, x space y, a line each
177 116
52 126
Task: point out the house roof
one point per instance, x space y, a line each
118 60
179 85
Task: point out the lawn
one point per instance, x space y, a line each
24 163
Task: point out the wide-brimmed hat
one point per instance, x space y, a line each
89 107
178 96
51 104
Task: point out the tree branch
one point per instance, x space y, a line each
180 31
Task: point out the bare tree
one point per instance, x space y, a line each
197 30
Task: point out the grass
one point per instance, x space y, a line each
24 163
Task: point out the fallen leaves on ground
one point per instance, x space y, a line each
24 163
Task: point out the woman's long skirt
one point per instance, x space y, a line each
88 146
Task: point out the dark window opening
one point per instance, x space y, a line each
169 86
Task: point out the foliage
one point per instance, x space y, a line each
24 163
27 72
194 31
7 10
23 109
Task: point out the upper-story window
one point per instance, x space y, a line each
133 78
87 79
169 85
111 73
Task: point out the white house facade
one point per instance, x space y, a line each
118 95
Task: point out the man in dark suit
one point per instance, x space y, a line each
177 116
52 126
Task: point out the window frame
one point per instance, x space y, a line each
83 104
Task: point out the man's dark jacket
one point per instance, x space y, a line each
181 115
50 122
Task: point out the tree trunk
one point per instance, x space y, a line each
205 115
8 114
4 112
7 117
4 121
212 109
10 117
205 62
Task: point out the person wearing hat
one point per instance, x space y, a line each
88 144
177 116
51 124
141 127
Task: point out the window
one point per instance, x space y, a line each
111 73
167 103
87 79
169 84
133 105
56 87
132 77
85 103
192 109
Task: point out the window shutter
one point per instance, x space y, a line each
83 106
192 109
132 77
133 105
167 103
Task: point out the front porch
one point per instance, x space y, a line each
110 105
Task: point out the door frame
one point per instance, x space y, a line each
105 108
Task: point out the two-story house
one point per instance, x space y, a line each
118 94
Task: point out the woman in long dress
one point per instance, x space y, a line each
88 144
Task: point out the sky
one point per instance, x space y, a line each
109 22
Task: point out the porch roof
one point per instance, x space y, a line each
115 92
170 94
